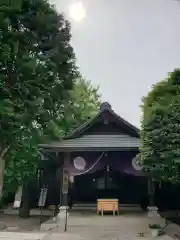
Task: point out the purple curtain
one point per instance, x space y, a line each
84 163
90 162
125 161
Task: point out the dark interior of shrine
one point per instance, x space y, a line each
109 184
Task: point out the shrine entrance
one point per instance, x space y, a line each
128 189
111 176
109 183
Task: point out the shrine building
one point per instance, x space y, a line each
99 158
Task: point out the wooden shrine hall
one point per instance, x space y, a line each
96 161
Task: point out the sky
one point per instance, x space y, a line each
126 46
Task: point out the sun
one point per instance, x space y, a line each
77 11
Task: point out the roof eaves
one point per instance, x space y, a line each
128 124
82 127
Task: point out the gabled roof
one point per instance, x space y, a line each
79 141
105 107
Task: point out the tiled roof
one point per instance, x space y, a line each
96 142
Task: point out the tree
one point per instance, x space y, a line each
83 103
37 69
22 162
160 138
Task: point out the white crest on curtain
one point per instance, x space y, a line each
79 163
89 169
135 165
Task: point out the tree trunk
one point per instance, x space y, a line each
24 210
2 167
3 152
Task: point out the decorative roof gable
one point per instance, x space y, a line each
104 113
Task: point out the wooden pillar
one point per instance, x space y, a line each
151 191
63 177
64 185
60 177
65 181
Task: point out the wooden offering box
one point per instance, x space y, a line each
107 205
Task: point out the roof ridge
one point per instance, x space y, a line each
104 107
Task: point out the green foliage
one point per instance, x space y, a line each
160 138
37 69
82 103
21 160
40 95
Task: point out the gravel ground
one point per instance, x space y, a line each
17 224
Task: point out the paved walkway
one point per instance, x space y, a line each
21 236
70 236
93 227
